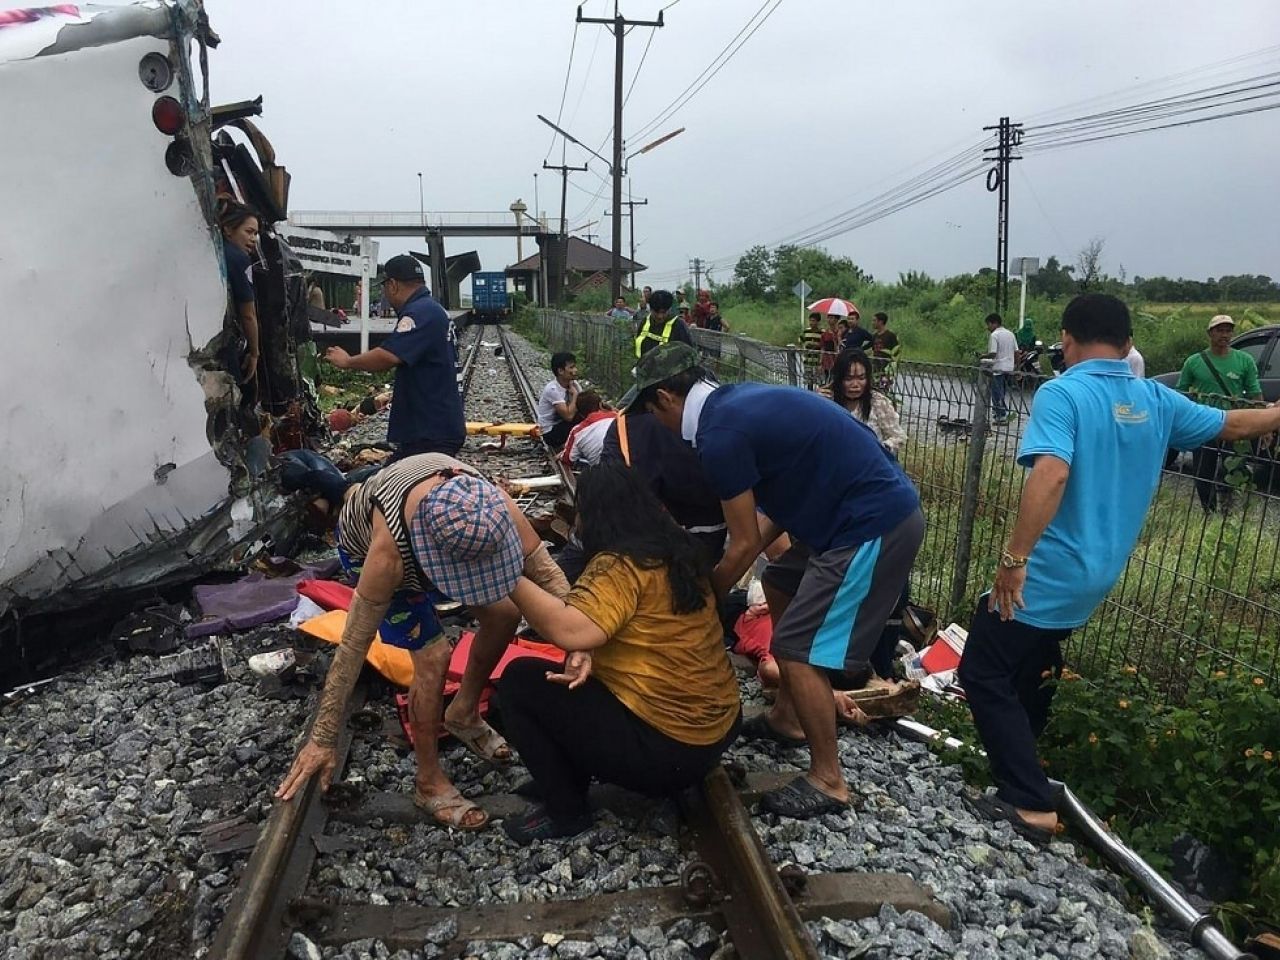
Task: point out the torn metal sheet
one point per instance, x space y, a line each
127 461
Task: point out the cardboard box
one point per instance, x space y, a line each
945 652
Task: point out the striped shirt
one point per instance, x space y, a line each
387 491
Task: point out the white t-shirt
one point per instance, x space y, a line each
588 442
1003 344
552 394
1136 363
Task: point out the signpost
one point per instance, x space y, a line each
322 251
802 290
1026 267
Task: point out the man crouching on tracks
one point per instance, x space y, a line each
424 524
855 524
1094 444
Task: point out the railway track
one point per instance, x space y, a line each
726 891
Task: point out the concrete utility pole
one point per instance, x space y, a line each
631 205
1010 137
565 170
618 25
695 267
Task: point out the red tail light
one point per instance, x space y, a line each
168 116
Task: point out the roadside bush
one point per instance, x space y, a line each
1209 768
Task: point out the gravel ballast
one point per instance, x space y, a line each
111 785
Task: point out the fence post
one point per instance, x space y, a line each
970 488
795 367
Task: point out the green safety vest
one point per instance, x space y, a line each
647 334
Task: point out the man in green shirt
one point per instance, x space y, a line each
1218 376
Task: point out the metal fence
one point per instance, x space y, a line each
1201 591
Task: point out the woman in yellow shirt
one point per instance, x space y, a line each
646 697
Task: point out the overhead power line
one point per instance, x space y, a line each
568 71
712 68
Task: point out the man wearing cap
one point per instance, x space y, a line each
426 528
854 519
658 326
1218 376
1094 447
426 408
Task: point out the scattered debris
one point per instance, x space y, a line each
205 665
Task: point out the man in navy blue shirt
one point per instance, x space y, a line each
426 408
1094 445
854 518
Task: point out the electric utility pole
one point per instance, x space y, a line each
564 224
1009 138
695 267
631 205
617 25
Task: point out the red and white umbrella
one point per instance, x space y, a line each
835 307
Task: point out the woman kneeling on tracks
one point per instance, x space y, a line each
646 698
426 525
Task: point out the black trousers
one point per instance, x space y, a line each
558 434
1003 673
567 738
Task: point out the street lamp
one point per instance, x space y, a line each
616 171
518 208
422 210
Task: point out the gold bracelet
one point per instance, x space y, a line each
1011 561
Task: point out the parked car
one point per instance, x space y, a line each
1263 344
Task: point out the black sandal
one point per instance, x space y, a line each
759 728
801 800
991 807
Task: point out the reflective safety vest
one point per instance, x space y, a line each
646 333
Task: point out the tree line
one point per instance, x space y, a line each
769 275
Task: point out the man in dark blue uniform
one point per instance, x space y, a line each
426 408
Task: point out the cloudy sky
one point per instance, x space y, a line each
827 104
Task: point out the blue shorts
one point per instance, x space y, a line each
410 622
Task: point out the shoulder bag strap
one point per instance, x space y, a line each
1226 391
622 440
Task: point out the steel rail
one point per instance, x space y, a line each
762 918
253 927
529 398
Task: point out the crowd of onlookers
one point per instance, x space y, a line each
688 486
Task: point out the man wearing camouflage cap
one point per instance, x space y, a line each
855 524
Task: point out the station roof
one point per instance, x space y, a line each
583 258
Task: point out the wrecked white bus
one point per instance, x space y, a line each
131 457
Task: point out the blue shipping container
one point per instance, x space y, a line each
489 294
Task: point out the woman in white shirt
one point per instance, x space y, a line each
851 388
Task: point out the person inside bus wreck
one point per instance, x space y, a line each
239 226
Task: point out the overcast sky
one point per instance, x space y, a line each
827 104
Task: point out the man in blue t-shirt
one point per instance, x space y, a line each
855 524
426 407
1095 444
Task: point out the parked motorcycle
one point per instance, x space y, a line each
1057 359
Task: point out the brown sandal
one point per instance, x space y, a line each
482 740
449 809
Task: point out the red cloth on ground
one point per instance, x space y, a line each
755 635
327 593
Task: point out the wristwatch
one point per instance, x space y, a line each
1011 561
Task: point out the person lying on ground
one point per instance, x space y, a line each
646 697
427 527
